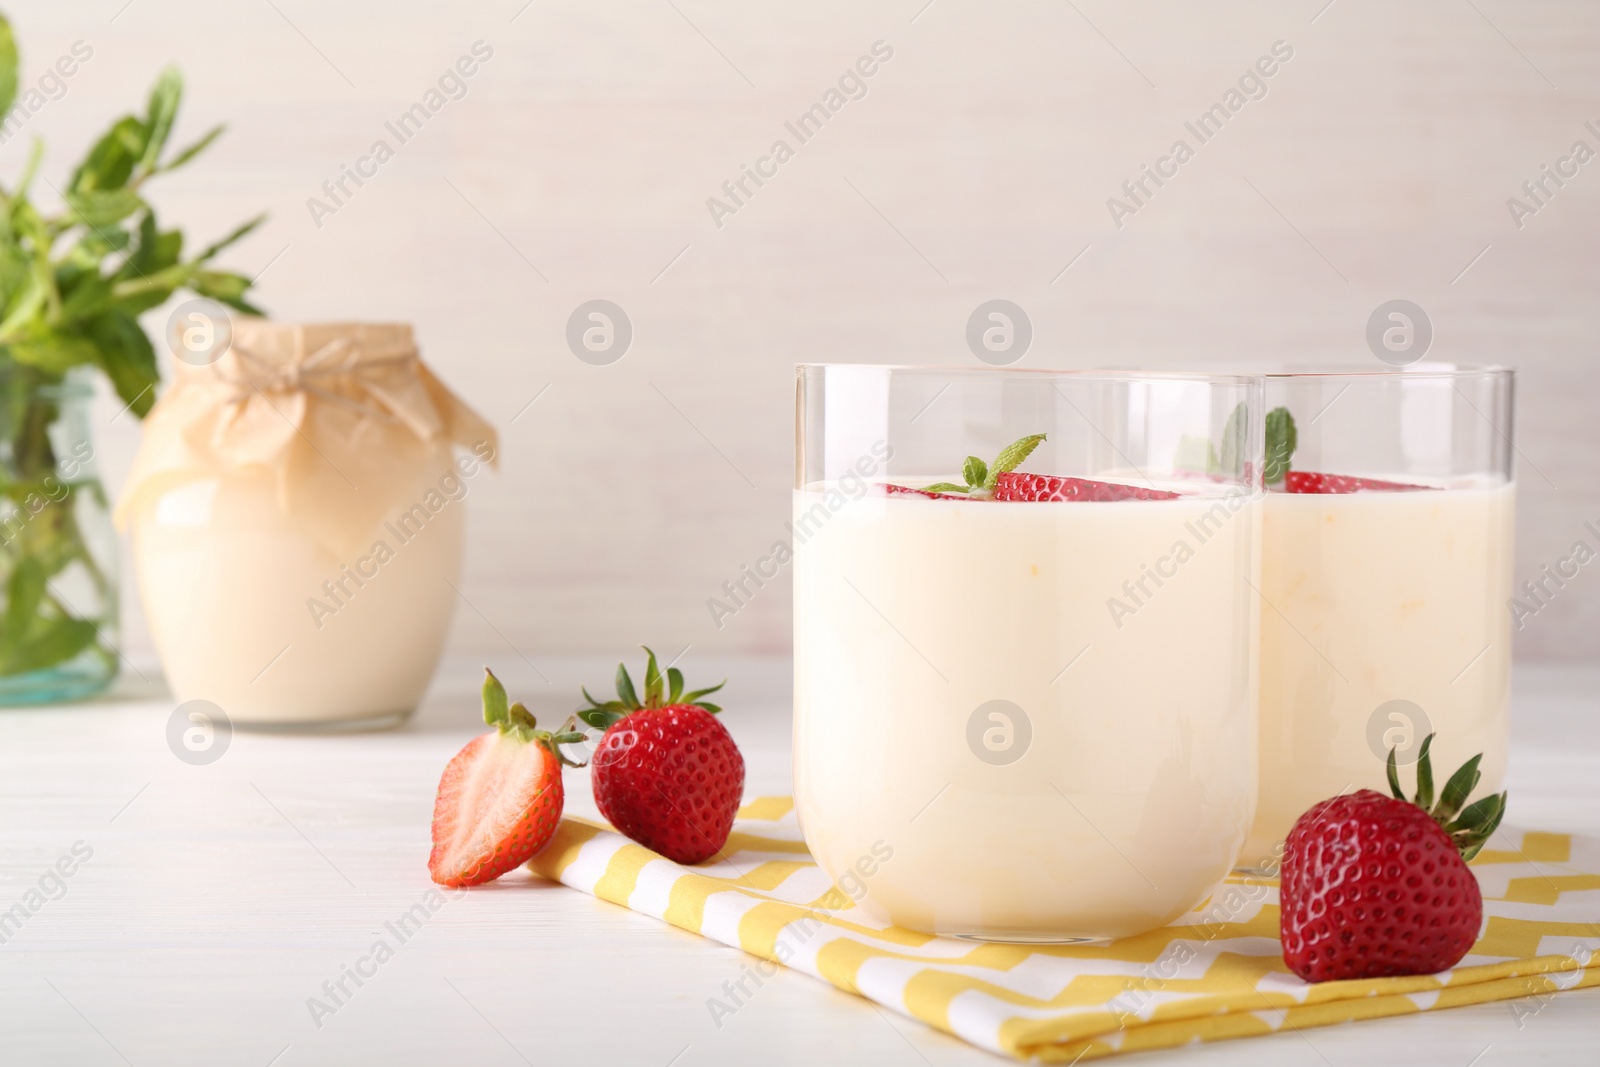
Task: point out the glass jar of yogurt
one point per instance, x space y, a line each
1024 696
1386 574
298 511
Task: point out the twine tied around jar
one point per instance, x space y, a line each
345 420
341 356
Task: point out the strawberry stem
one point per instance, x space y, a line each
1471 828
660 689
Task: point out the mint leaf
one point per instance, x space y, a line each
24 591
946 487
8 66
1281 442
1011 457
193 150
1195 454
165 97
60 640
975 471
1230 463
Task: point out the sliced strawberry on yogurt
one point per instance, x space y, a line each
1282 439
1017 486
978 477
930 494
1317 482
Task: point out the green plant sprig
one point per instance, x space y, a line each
73 282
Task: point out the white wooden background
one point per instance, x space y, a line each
977 166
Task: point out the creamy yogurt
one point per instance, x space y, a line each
1045 710
250 612
1381 606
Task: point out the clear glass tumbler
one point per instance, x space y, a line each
1024 703
1386 571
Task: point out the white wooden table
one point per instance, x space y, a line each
219 898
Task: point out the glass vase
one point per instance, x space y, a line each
58 549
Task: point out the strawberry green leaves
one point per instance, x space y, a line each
660 690
981 477
517 721
495 709
1468 828
625 691
654 684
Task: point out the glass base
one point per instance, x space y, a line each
1003 938
1269 865
62 684
387 720
1245 871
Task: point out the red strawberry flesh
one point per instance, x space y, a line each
1014 485
892 489
1317 482
1374 886
499 801
670 778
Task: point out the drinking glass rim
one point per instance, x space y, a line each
1429 369
1107 374
1358 372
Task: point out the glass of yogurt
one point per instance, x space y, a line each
1024 679
1386 572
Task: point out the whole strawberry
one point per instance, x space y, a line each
500 797
666 774
1375 885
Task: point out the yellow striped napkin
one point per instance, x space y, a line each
1214 974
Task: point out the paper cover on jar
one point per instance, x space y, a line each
340 414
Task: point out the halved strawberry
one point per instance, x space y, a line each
500 798
1317 482
1017 486
666 774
